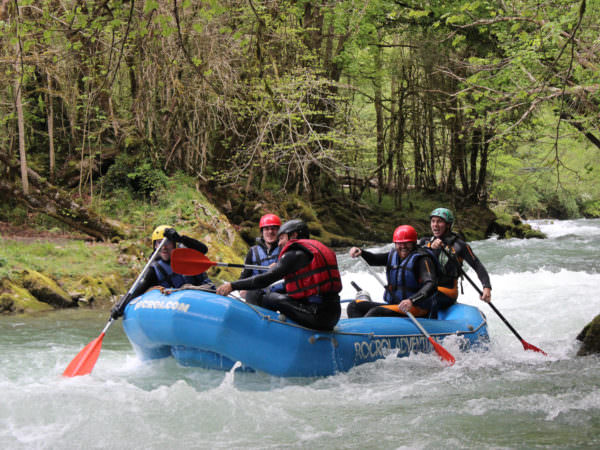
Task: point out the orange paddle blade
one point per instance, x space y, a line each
85 360
442 352
187 261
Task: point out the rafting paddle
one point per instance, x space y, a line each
526 345
444 354
187 261
85 360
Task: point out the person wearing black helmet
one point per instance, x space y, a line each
450 252
311 278
161 273
264 253
411 279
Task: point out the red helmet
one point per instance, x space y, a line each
269 220
405 233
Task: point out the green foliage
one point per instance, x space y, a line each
134 173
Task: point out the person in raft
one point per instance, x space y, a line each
264 253
411 279
443 243
160 273
311 278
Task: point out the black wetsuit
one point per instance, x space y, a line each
319 316
451 267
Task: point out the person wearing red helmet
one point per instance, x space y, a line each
264 253
311 278
411 279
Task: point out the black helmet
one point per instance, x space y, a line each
296 225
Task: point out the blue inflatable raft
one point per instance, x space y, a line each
207 330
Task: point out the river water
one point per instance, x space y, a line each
500 398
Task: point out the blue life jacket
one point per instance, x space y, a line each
169 279
260 257
402 282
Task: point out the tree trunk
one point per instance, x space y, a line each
53 201
379 123
49 102
21 120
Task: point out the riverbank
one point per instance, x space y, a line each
47 266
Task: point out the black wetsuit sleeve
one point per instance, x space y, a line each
291 261
427 276
149 280
374 259
465 252
247 273
193 243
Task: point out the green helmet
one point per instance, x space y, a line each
445 214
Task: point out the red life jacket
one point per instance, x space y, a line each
320 277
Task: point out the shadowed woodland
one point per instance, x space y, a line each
300 97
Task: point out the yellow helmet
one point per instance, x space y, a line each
159 233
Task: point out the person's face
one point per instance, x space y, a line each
283 239
404 248
269 234
438 226
166 250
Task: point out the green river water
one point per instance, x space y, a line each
500 398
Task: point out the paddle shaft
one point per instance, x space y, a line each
126 298
441 351
85 360
480 292
241 266
527 345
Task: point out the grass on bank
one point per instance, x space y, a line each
66 258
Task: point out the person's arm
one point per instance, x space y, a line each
292 261
374 259
427 276
247 273
146 283
193 243
187 241
466 253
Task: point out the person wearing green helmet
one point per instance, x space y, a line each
451 251
160 273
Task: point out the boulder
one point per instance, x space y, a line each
93 291
590 338
45 289
17 299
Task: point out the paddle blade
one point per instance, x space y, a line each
442 352
85 360
528 346
187 261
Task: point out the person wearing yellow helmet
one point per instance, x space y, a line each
161 273
450 251
411 279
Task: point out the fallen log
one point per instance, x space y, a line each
51 200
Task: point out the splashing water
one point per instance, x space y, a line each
504 397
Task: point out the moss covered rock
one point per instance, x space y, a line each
45 289
590 338
17 299
92 291
513 227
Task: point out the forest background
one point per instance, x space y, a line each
117 116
